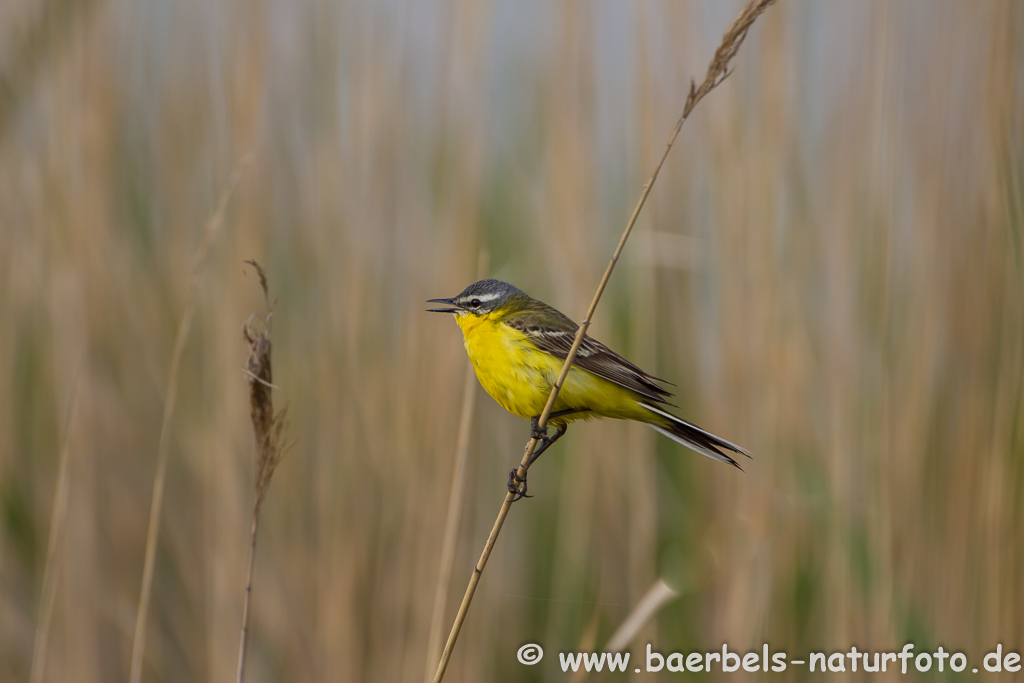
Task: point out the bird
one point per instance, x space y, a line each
517 346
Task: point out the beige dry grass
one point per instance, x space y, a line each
852 316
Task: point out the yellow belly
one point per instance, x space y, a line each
519 377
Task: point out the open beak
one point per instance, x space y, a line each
442 310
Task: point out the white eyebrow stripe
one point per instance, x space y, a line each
491 296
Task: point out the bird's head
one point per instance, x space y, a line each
480 298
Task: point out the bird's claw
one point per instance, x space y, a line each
514 482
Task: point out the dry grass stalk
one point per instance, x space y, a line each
656 597
718 71
455 500
156 505
53 545
268 428
451 523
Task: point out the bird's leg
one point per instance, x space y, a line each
545 440
535 431
517 485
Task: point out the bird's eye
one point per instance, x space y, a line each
474 303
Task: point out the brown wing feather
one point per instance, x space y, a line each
593 356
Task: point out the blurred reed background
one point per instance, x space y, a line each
830 268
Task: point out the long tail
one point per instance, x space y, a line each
692 436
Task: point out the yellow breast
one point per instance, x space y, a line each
518 379
519 376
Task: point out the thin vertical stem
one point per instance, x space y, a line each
53 555
718 71
244 637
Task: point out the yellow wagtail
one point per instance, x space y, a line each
517 346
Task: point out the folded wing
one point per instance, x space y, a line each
556 338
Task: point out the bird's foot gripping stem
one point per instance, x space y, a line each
542 435
517 484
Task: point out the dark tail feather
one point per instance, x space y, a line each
693 437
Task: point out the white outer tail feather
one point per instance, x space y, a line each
694 447
707 452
